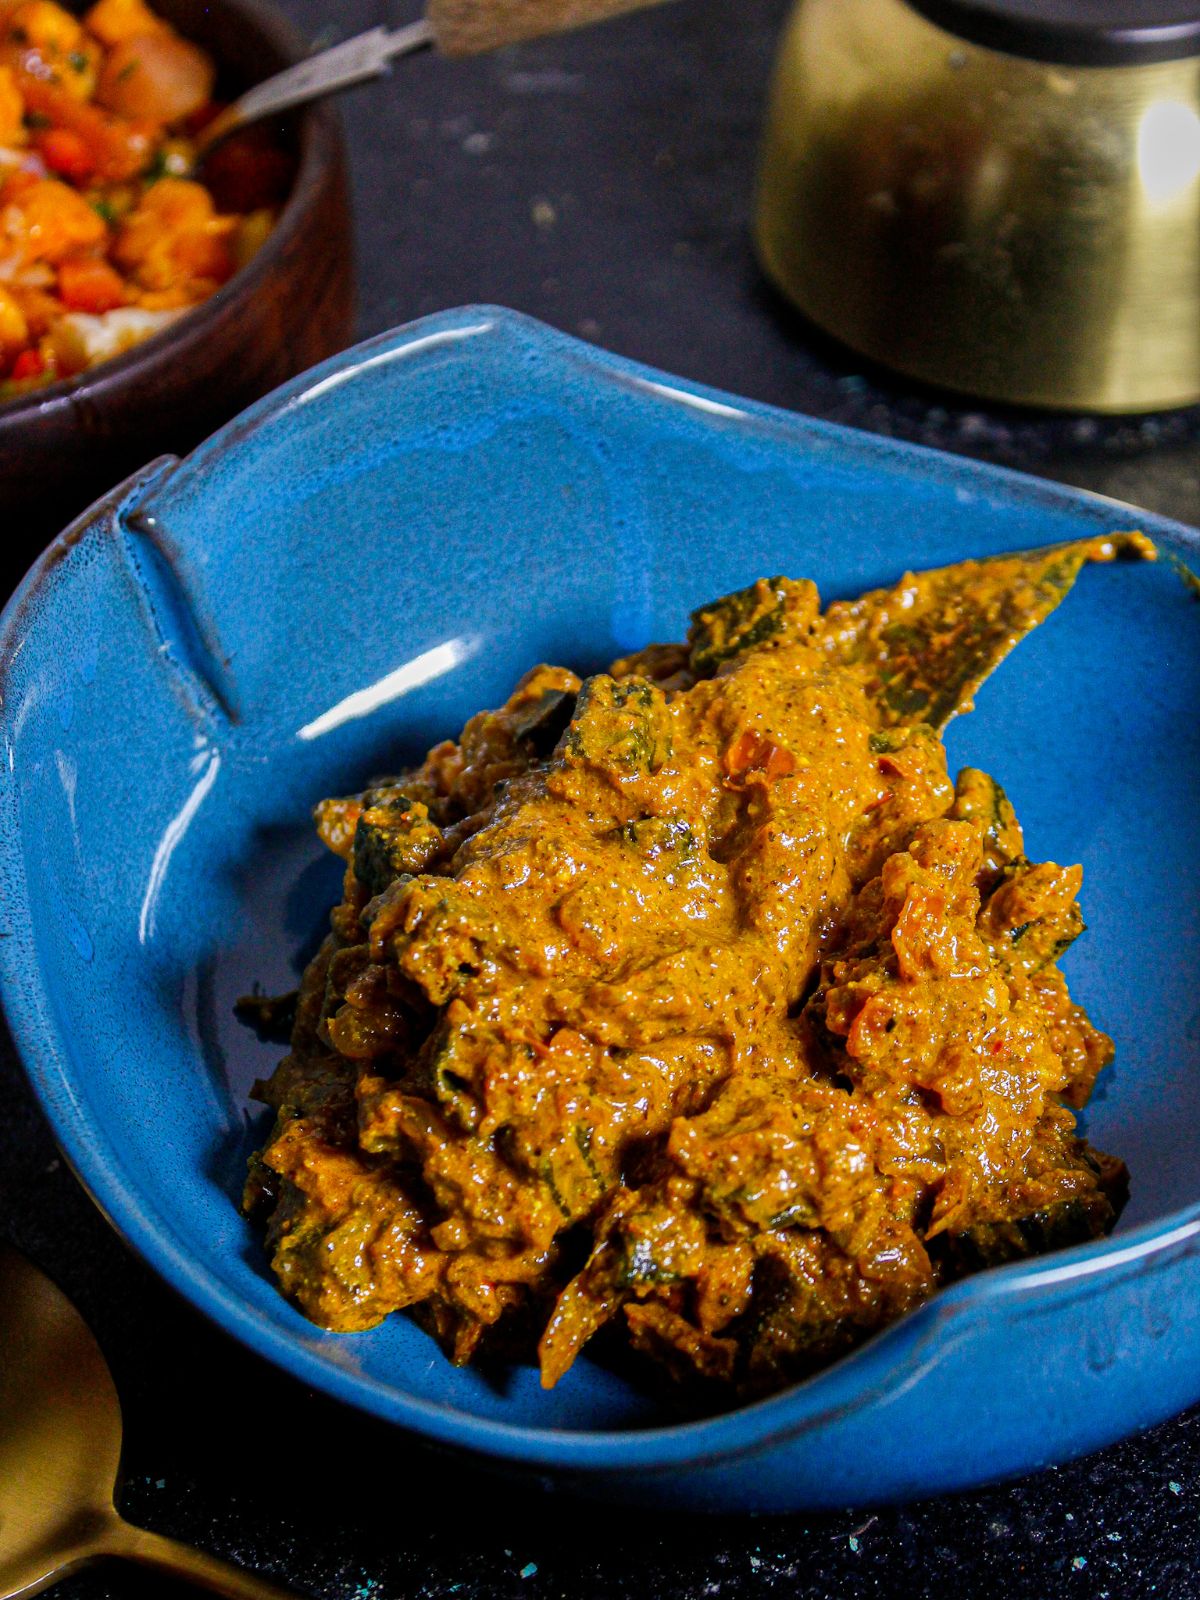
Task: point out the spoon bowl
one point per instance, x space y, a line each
60 1453
60 1432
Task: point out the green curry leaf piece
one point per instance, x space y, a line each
271 1017
658 836
923 648
620 724
394 837
978 798
769 611
544 723
1075 1220
1031 918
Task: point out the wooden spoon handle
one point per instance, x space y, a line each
469 27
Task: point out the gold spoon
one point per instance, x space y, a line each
60 1451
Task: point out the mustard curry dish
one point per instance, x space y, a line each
696 1000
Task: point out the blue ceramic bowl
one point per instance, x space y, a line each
337 580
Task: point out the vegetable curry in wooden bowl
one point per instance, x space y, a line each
142 302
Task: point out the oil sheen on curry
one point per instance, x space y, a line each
696 1002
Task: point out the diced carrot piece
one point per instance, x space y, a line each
67 153
88 284
753 752
29 364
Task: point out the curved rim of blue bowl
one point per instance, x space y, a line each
892 1360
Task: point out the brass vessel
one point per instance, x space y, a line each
1021 227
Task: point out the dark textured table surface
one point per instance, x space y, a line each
602 183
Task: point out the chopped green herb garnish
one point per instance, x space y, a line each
157 169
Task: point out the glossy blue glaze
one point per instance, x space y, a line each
338 579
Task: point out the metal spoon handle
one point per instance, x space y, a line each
197 1567
365 56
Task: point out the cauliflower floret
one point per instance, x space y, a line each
114 21
81 340
50 221
175 237
45 26
78 72
54 47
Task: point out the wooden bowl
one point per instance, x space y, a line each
291 306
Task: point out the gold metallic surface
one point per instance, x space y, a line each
1012 229
60 1447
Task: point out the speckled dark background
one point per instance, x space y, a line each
600 182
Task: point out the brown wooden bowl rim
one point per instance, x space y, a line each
320 150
